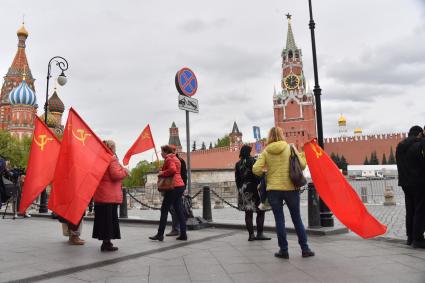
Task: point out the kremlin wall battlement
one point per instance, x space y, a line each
396 136
355 149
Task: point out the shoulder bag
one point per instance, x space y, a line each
295 171
165 184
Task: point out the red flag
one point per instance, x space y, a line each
144 142
83 160
338 194
41 164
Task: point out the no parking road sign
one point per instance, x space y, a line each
186 82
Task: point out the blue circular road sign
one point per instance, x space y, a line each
186 82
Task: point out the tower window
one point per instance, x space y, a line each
290 54
297 55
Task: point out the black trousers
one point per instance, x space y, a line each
172 198
415 212
249 215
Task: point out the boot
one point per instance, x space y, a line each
282 254
108 247
182 237
157 238
418 244
307 253
75 240
251 237
172 233
262 237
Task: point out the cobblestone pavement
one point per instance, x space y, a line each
392 216
34 250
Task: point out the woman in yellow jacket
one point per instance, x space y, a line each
275 157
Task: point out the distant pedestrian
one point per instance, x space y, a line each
175 230
248 195
411 177
280 188
172 197
106 200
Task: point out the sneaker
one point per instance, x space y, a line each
307 253
282 254
173 233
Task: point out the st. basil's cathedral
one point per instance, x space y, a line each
18 101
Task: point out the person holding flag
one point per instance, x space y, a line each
106 200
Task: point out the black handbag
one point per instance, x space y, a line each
295 171
8 190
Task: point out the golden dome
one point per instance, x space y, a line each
22 31
358 130
342 121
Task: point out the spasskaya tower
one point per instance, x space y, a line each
293 103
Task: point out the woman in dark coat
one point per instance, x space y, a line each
248 197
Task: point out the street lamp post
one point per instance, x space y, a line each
326 219
63 65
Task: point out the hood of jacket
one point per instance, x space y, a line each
276 147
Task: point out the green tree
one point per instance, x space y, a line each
224 141
391 158
14 150
203 147
384 159
373 158
366 162
194 146
137 176
344 164
211 146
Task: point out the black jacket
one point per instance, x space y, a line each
410 162
243 172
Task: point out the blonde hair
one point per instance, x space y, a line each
275 134
110 144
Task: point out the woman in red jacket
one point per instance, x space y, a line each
173 197
106 200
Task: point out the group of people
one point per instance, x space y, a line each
410 157
267 179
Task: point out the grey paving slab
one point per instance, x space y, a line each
36 250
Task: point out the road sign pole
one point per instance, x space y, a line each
189 179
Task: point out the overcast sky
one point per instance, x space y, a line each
123 56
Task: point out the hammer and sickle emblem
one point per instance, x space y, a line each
82 135
317 150
43 139
146 136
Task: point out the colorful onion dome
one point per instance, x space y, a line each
55 104
22 31
358 130
22 94
342 121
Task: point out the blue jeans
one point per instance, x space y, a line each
292 199
172 198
